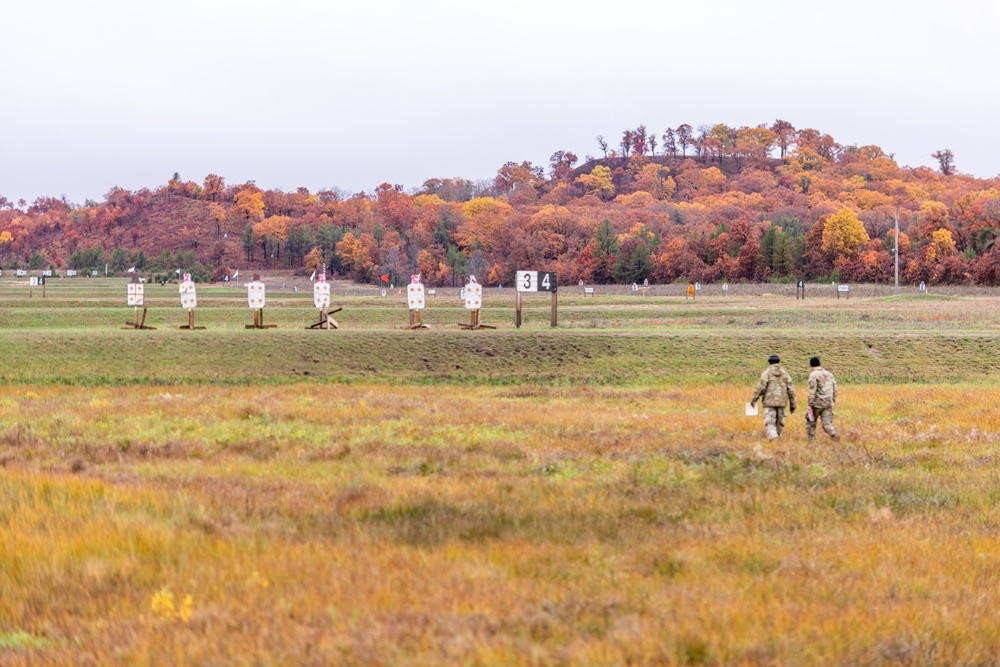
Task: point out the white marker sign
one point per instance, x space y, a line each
255 294
70 273
843 288
21 273
415 296
189 299
135 291
33 281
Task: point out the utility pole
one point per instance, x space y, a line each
896 251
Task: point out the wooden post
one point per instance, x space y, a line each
555 307
325 321
517 309
474 323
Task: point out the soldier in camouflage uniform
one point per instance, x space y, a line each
775 387
822 396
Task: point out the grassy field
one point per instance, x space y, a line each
590 494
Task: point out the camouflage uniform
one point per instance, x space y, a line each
822 396
776 388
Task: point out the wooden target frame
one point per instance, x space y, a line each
189 300
255 300
416 302
136 300
473 304
321 299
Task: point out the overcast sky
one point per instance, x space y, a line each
353 94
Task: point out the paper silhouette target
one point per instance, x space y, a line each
473 296
135 294
321 293
255 293
189 298
415 296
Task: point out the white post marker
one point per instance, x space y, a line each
843 289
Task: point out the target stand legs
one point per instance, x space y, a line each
137 323
190 324
475 324
325 321
258 320
416 322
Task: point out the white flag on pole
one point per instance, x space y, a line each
236 273
178 272
313 276
132 270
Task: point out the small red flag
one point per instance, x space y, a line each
385 277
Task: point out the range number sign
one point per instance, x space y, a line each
536 281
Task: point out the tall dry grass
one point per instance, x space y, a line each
530 525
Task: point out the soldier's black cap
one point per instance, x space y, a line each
814 362
773 359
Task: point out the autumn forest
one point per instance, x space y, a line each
713 203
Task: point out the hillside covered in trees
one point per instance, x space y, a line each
717 203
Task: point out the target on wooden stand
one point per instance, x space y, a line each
135 299
189 300
321 299
255 300
473 302
415 301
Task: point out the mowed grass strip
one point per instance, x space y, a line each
572 358
101 305
411 525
